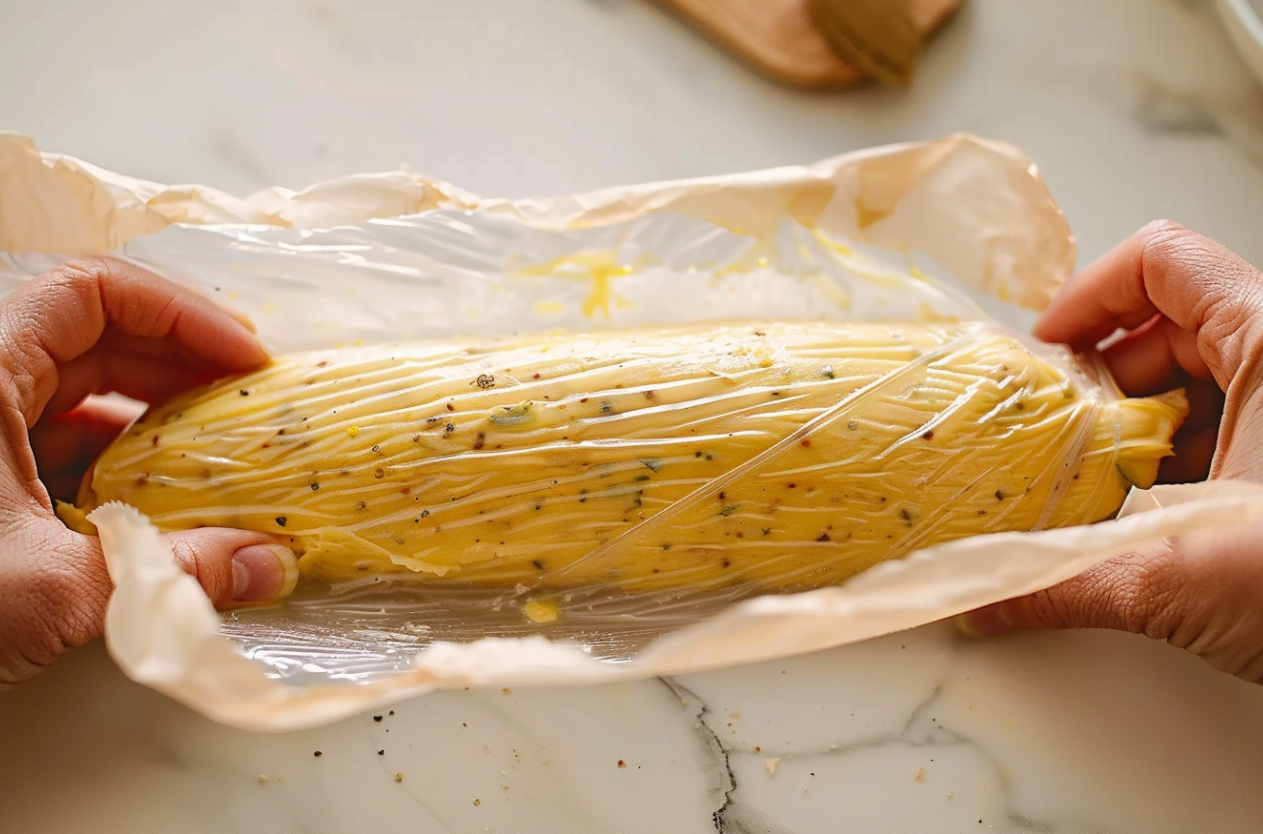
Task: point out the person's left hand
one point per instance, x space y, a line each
90 327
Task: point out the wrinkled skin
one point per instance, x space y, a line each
1193 312
90 327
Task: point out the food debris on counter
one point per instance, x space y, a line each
398 776
771 764
920 777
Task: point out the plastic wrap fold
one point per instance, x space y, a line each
936 248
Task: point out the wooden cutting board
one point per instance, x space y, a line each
779 38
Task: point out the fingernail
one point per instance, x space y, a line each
263 571
992 621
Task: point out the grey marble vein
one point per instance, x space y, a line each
924 730
1162 109
337 25
733 816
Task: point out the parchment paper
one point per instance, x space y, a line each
958 228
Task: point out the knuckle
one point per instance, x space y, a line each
78 609
1147 591
83 269
67 605
1226 312
20 395
195 561
53 593
188 555
1167 242
82 276
1162 228
1051 608
1134 592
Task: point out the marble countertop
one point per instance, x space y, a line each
1134 109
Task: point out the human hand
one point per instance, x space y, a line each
1194 316
90 327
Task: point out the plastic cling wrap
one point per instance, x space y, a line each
577 472
780 307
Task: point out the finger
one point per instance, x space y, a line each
1164 269
62 315
1194 452
150 379
66 445
1155 358
242 319
116 341
1199 591
1205 404
235 566
1195 441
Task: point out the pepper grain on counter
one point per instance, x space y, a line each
785 457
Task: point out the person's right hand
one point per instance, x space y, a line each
1193 312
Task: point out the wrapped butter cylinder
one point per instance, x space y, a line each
771 456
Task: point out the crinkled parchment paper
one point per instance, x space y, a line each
960 228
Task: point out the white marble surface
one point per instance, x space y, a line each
1134 109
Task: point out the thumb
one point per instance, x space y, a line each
1117 594
235 566
55 587
1202 592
